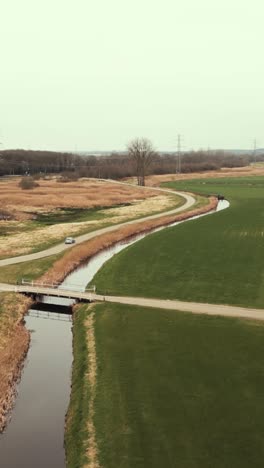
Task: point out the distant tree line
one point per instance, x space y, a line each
116 165
23 162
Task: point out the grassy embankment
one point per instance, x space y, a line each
29 270
172 390
85 250
14 341
76 433
215 259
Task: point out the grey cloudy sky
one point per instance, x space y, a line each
92 75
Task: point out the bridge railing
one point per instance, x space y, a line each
43 284
55 285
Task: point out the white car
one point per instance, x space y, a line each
69 240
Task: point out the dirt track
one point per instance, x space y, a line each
193 307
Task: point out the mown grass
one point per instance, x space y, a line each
217 259
178 390
228 185
77 416
30 270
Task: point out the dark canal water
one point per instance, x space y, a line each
34 436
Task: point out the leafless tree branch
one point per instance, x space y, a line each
141 151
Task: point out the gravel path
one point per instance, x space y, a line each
193 307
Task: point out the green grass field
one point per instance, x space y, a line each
177 390
217 259
29 270
76 419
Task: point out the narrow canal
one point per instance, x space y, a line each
82 276
35 434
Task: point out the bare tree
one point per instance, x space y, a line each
141 151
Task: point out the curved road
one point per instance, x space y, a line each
189 201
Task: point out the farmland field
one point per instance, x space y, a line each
172 390
215 259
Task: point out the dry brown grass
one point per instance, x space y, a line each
142 208
92 449
26 241
84 251
50 194
14 342
24 237
156 180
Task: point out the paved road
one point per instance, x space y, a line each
189 201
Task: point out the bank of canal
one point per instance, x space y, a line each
34 436
84 274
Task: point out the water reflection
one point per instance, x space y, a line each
34 437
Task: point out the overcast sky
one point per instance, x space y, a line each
91 75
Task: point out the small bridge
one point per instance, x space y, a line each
35 289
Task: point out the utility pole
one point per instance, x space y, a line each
179 138
255 151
